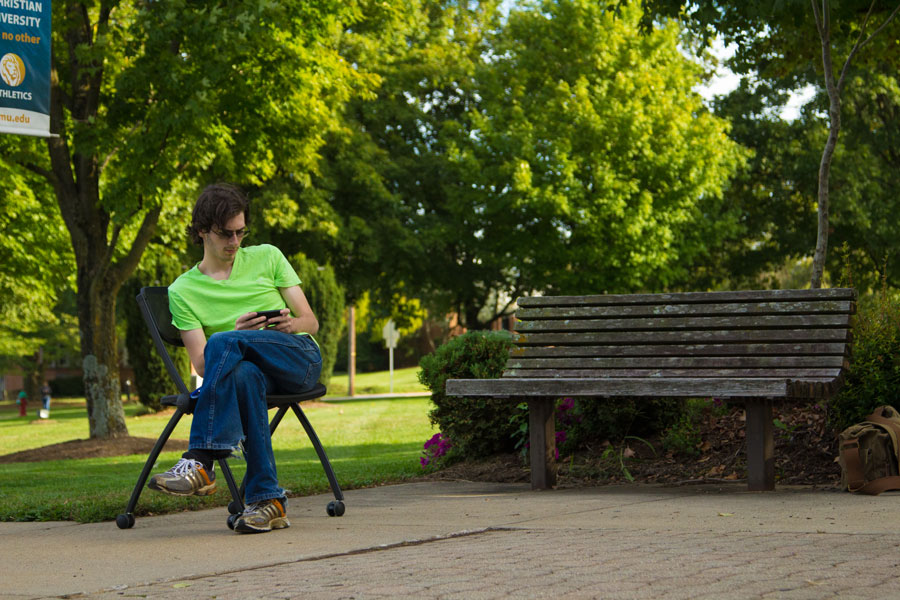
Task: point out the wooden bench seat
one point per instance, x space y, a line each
750 346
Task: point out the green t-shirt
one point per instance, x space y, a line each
197 300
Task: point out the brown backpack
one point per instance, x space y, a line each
869 453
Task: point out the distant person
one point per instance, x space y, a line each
22 401
214 306
46 391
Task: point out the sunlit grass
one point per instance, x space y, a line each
367 441
405 380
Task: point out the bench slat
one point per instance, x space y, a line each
687 323
684 362
681 337
783 349
674 310
689 297
669 387
667 373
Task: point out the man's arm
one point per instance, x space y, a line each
195 342
304 320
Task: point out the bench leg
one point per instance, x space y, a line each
760 446
542 441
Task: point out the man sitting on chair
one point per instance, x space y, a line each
240 355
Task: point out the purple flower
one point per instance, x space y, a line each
434 448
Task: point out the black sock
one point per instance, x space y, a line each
206 457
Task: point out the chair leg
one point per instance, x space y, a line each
237 495
126 519
323 458
335 508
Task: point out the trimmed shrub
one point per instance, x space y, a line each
326 298
874 375
479 426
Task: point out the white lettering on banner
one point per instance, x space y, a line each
20 20
22 5
15 95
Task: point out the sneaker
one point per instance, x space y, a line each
262 516
187 478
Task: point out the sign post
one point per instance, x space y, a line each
25 67
391 335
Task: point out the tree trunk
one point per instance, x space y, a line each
823 24
834 112
33 375
834 88
99 357
104 259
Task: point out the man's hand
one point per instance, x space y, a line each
253 320
284 323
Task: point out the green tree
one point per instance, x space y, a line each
326 298
778 41
559 151
151 99
35 267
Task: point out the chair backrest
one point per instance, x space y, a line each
154 304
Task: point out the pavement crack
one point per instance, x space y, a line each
371 549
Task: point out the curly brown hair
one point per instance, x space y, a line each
217 204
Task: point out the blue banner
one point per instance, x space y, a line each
25 67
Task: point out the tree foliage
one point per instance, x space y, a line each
326 298
35 272
785 45
558 151
152 97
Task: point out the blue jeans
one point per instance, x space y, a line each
241 367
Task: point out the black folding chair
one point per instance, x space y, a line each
154 303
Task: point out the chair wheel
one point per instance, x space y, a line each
335 508
125 521
232 519
234 508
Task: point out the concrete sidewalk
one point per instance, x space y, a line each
483 540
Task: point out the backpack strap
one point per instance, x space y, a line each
852 464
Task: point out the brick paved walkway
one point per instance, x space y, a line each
611 564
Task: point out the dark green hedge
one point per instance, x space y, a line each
479 426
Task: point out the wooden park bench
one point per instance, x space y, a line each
753 347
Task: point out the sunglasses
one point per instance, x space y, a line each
227 234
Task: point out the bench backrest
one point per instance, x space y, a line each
794 334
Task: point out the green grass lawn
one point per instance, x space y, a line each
405 380
368 442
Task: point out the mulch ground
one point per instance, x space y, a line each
805 454
91 449
804 449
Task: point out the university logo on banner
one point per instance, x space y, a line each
25 67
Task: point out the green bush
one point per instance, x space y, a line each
326 298
874 375
479 426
